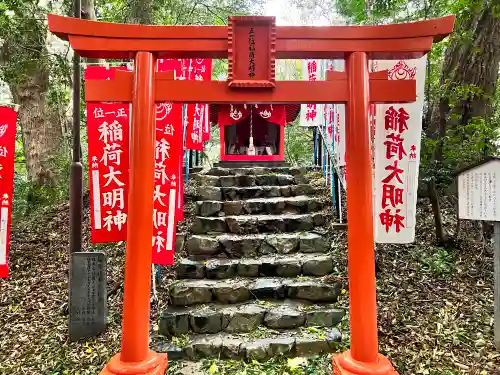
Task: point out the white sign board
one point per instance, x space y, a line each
398 131
478 200
478 190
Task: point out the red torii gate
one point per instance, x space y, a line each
251 80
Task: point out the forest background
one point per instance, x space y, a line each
461 112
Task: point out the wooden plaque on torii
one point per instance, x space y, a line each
251 44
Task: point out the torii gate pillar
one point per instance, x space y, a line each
363 358
135 357
251 80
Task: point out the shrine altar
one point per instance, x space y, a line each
262 125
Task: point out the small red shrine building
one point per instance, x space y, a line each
265 123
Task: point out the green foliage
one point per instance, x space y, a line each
298 145
174 368
390 11
19 22
379 11
21 189
277 366
439 262
29 198
24 33
462 145
211 152
28 65
181 12
219 69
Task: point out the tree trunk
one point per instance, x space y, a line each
88 13
24 59
437 160
141 11
41 128
471 67
88 10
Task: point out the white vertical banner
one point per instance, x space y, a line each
397 155
339 121
206 119
312 114
4 230
171 227
96 193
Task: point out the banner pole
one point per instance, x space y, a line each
76 168
75 176
315 151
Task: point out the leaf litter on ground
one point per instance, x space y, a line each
435 305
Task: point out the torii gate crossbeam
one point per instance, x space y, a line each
251 79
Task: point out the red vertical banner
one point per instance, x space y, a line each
194 138
108 127
108 141
168 147
108 138
8 119
166 65
198 125
101 72
180 73
168 181
206 76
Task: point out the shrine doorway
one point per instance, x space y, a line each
259 125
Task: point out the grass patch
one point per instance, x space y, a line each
439 263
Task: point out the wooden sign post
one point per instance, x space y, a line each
479 199
251 45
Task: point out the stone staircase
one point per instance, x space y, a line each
252 284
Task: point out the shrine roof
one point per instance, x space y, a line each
292 111
477 164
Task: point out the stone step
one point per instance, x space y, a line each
304 342
265 266
230 291
252 164
245 180
215 318
256 170
300 204
248 224
253 245
233 193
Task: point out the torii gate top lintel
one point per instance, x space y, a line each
251 64
113 40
